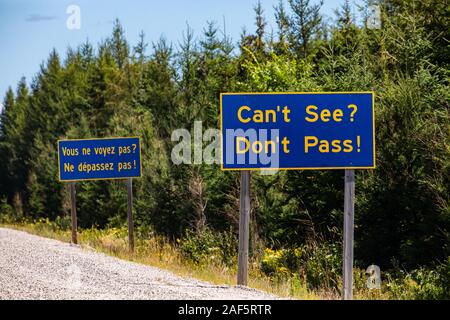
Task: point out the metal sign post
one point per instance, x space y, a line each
130 215
349 219
242 278
73 207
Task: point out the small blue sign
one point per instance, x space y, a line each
99 159
326 130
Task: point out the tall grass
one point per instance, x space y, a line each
158 251
311 272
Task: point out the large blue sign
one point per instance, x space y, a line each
298 130
95 159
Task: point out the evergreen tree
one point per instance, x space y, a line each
283 22
6 156
260 23
119 46
306 21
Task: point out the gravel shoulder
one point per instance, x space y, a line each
33 267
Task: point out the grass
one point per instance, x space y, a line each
159 252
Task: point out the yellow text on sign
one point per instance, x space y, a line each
326 115
243 145
246 114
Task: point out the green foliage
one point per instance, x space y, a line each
323 266
209 247
7 214
408 197
280 263
319 264
421 284
278 73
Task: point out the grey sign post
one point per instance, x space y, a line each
349 219
73 211
130 215
244 218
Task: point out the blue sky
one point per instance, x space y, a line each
30 29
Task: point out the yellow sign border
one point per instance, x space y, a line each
298 168
96 179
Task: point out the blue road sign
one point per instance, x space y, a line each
99 159
297 130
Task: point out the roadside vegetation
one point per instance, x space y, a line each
309 272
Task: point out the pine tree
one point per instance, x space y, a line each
344 15
119 46
283 22
210 44
306 21
7 114
6 149
140 48
261 23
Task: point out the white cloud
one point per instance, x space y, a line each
35 17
